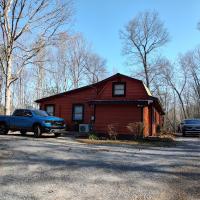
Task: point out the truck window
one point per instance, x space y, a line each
27 113
18 113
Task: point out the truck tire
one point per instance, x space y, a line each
23 132
3 129
57 134
37 131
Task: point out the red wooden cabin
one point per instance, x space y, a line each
118 100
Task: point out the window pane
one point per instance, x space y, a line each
78 112
119 87
78 109
78 116
27 113
19 113
119 92
50 110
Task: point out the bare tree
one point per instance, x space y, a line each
142 37
21 21
176 80
191 62
39 69
59 66
95 68
77 53
1 85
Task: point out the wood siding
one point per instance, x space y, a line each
117 115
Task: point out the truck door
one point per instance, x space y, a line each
16 120
28 120
22 119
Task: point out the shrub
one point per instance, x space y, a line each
136 128
93 136
112 131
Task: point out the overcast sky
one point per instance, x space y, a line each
101 20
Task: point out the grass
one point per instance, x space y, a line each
167 142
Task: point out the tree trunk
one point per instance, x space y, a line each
8 88
147 77
146 71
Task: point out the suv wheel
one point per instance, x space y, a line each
37 131
3 129
23 132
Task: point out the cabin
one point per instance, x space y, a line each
115 101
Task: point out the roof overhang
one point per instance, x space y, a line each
158 105
120 102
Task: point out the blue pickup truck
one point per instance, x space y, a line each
37 121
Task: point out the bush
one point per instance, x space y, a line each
93 136
136 128
112 131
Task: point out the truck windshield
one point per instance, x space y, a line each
41 113
192 121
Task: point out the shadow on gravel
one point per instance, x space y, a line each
30 135
177 166
104 160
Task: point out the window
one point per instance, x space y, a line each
50 109
27 113
119 89
77 114
41 113
18 113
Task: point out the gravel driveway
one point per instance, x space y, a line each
61 168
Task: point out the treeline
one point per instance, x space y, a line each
40 57
176 83
67 63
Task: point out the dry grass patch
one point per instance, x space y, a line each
144 142
90 141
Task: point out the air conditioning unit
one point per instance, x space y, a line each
84 128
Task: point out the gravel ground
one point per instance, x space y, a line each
61 168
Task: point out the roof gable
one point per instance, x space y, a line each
89 86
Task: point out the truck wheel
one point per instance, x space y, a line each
3 129
23 133
57 134
37 131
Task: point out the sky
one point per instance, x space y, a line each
101 20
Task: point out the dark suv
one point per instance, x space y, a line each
190 126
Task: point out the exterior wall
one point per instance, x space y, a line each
117 115
63 105
134 90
